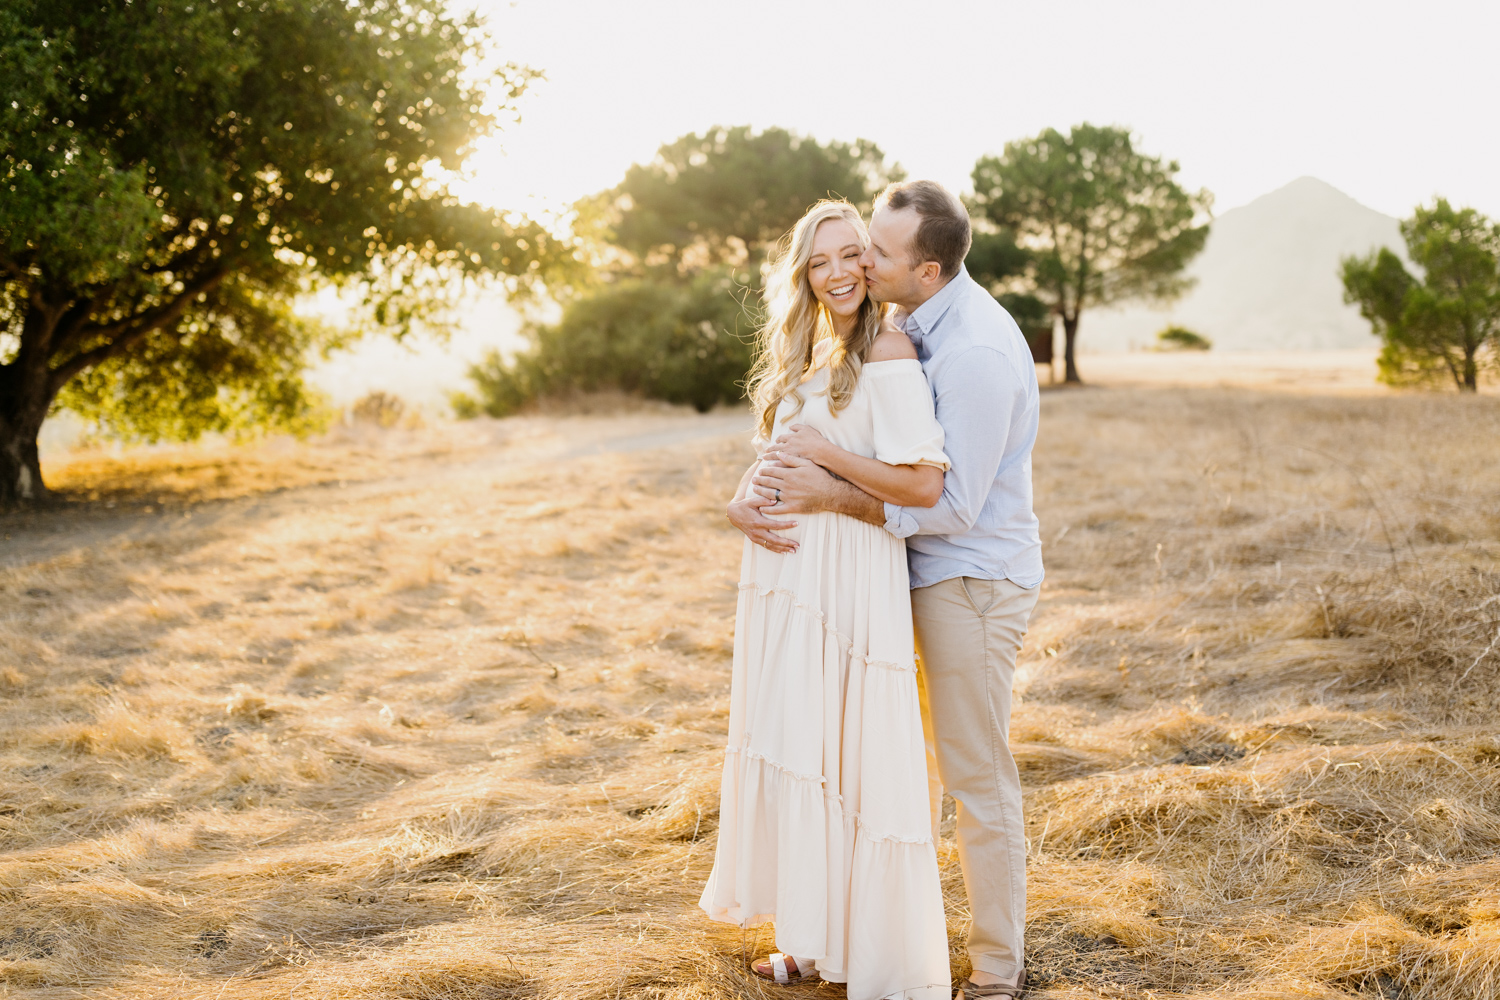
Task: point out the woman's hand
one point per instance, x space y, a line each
804 442
747 516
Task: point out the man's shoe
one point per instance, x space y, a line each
969 990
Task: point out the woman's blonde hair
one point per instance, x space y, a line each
796 321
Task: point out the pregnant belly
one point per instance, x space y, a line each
794 534
852 551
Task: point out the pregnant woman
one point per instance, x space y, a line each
824 822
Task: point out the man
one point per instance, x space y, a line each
975 557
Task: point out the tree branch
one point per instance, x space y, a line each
15 270
191 255
129 324
65 331
24 278
137 328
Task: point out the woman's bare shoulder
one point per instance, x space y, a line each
892 345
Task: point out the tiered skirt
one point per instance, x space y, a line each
824 825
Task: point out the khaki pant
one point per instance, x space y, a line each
968 633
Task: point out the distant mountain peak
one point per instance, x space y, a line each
1268 277
1304 192
1309 181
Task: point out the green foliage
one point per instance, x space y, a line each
726 196
998 263
995 259
678 244
173 173
682 342
1446 323
382 409
233 369
1100 221
1180 338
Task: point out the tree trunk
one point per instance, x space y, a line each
23 407
1471 372
1070 364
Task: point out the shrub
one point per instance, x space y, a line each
379 408
1180 338
684 342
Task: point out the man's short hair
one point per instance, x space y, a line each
943 234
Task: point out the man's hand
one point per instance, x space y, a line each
746 515
802 441
797 485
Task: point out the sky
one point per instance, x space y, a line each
1389 102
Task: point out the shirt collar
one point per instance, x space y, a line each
919 323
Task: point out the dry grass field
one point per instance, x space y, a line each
1347 372
438 714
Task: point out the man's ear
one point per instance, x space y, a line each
930 273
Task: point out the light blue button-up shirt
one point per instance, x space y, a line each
984 386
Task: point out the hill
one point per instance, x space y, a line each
1268 278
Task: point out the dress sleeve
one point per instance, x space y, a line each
906 429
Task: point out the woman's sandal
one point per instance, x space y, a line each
972 991
783 969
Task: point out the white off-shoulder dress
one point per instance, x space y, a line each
824 824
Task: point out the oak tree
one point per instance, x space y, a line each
173 173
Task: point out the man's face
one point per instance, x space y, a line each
887 262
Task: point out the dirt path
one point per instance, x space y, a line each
498 450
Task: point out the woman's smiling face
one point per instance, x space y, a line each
833 270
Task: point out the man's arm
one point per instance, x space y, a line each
976 405
807 488
903 485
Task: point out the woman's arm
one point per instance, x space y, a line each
739 493
902 485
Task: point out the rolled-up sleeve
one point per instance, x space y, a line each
976 416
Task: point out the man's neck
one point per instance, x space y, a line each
912 306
